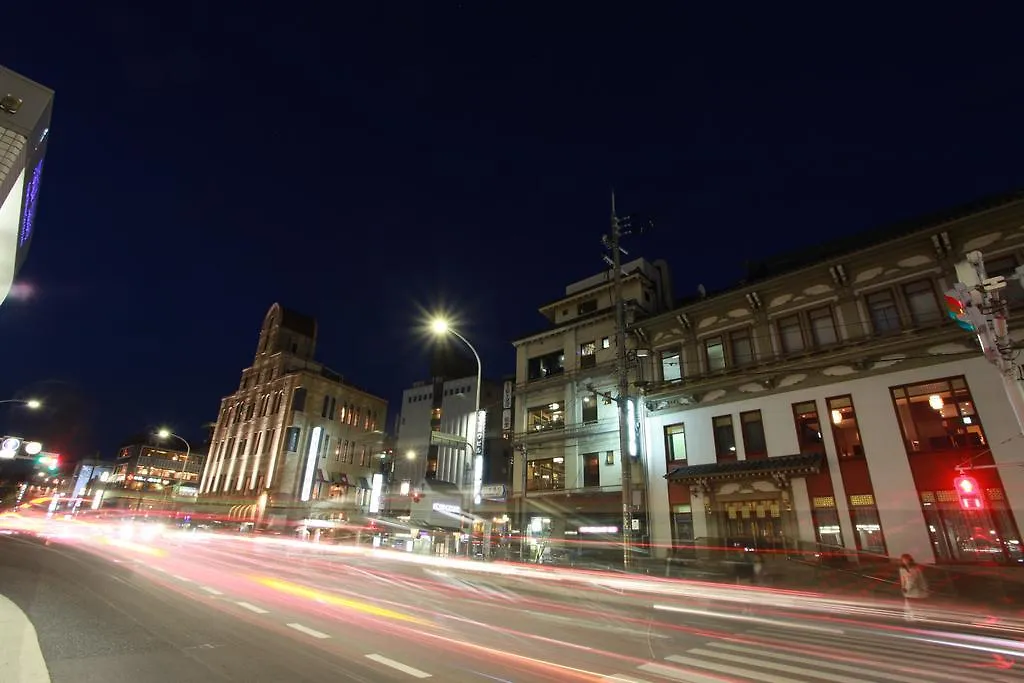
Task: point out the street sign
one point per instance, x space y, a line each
493 492
452 440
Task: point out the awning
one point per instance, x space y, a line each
801 464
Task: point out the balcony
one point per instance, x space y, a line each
567 431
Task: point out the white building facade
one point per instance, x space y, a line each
567 474
826 406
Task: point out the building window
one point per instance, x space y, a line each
606 342
844 428
671 365
589 410
682 525
586 307
675 444
752 426
714 351
591 469
299 400
823 327
725 438
609 457
938 416
548 365
588 354
741 347
325 410
922 303
543 418
808 427
546 475
885 316
791 334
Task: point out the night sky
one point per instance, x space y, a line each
367 168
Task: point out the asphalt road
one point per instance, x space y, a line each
201 608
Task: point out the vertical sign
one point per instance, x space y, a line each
506 409
376 487
311 463
478 451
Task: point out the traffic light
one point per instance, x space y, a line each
956 308
969 493
48 460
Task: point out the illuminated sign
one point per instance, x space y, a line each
478 451
447 508
376 487
31 202
631 417
599 529
9 448
311 459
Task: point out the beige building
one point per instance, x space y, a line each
826 403
572 480
296 441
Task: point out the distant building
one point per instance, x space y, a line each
150 473
572 480
295 442
25 109
88 482
445 406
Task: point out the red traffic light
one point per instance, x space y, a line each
969 493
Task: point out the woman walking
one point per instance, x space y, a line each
913 584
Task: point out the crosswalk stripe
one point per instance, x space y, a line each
678 674
729 670
785 668
818 662
898 653
619 678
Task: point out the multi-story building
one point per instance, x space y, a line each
567 429
827 402
150 473
296 441
25 109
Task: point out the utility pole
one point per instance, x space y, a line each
983 309
611 242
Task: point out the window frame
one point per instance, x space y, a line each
854 455
976 418
894 299
670 450
726 454
938 316
748 452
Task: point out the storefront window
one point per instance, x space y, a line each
546 475
984 536
682 525
808 427
938 416
867 527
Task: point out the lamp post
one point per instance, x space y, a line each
168 434
30 403
441 327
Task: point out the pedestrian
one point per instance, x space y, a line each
913 584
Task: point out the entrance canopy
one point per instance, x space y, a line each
788 465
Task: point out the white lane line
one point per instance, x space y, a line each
751 619
677 674
415 673
252 608
161 570
760 663
308 631
816 662
734 671
618 678
211 591
183 578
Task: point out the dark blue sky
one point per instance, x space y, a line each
206 162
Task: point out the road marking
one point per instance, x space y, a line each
415 673
161 570
814 663
308 631
19 646
773 666
183 578
752 619
625 679
734 671
676 674
211 591
252 608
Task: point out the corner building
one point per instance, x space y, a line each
295 442
826 404
25 109
567 482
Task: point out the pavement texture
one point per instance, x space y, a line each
110 606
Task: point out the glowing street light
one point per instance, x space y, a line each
31 403
165 433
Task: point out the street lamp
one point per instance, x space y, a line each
440 327
168 434
32 403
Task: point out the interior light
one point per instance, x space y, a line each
936 402
837 416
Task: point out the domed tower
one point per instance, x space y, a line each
287 331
